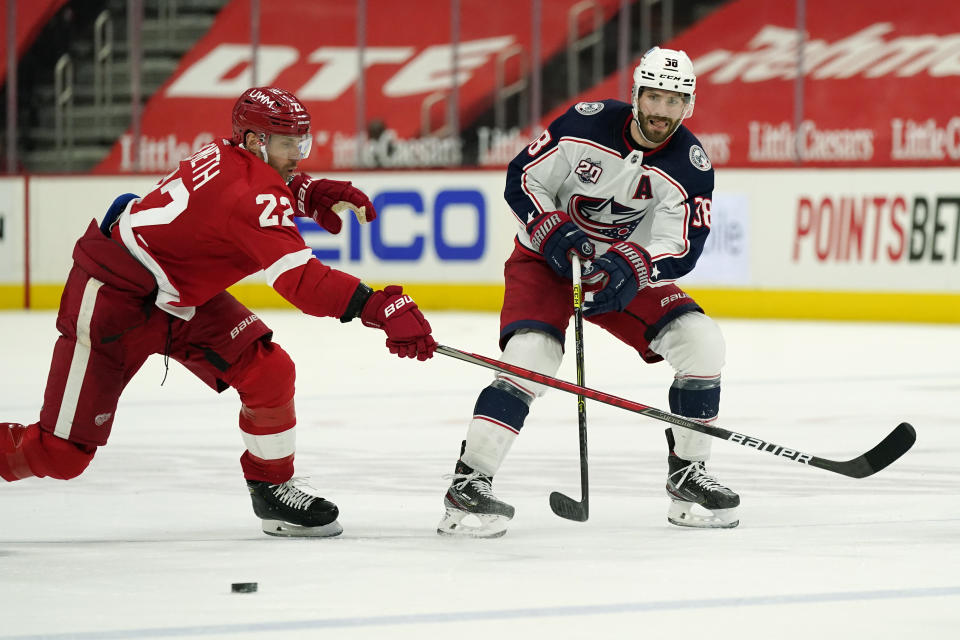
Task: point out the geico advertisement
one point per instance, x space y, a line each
430 227
861 230
11 231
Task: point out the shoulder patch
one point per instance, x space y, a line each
699 159
589 108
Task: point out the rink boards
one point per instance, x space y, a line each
879 244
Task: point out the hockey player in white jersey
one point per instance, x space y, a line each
628 189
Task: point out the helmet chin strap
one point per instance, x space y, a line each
263 150
263 146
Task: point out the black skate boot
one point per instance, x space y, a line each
689 485
287 511
471 508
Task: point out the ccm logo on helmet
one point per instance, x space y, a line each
396 306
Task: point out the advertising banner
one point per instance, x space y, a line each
726 255
309 47
12 244
865 244
876 84
879 230
435 227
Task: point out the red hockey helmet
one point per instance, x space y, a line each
270 112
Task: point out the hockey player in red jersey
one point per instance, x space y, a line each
152 278
628 189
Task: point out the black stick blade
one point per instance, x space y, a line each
897 443
567 507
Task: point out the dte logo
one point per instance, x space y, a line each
453 226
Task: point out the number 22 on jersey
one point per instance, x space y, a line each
270 217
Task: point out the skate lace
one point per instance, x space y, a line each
697 474
289 493
477 480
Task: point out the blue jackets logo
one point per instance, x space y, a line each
604 219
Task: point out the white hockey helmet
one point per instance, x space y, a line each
666 69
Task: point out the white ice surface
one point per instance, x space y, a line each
147 542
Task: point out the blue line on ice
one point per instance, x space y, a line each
500 614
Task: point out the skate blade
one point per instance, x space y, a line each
682 514
283 529
463 524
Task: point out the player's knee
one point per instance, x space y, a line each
269 377
534 350
277 365
693 345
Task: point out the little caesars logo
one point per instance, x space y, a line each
925 140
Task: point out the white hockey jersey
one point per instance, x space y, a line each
587 164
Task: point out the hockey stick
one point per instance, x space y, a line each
563 505
894 445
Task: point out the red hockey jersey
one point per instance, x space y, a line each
222 215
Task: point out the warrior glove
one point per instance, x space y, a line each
324 201
556 237
615 278
408 332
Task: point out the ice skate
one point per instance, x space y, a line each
289 512
698 499
471 508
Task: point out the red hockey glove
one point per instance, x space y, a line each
324 201
615 278
555 237
408 332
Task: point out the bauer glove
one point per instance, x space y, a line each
615 278
408 332
324 201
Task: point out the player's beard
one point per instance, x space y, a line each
664 129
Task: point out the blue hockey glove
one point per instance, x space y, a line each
555 237
615 278
116 208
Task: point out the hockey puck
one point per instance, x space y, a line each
243 587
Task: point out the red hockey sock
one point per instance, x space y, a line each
260 470
264 378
